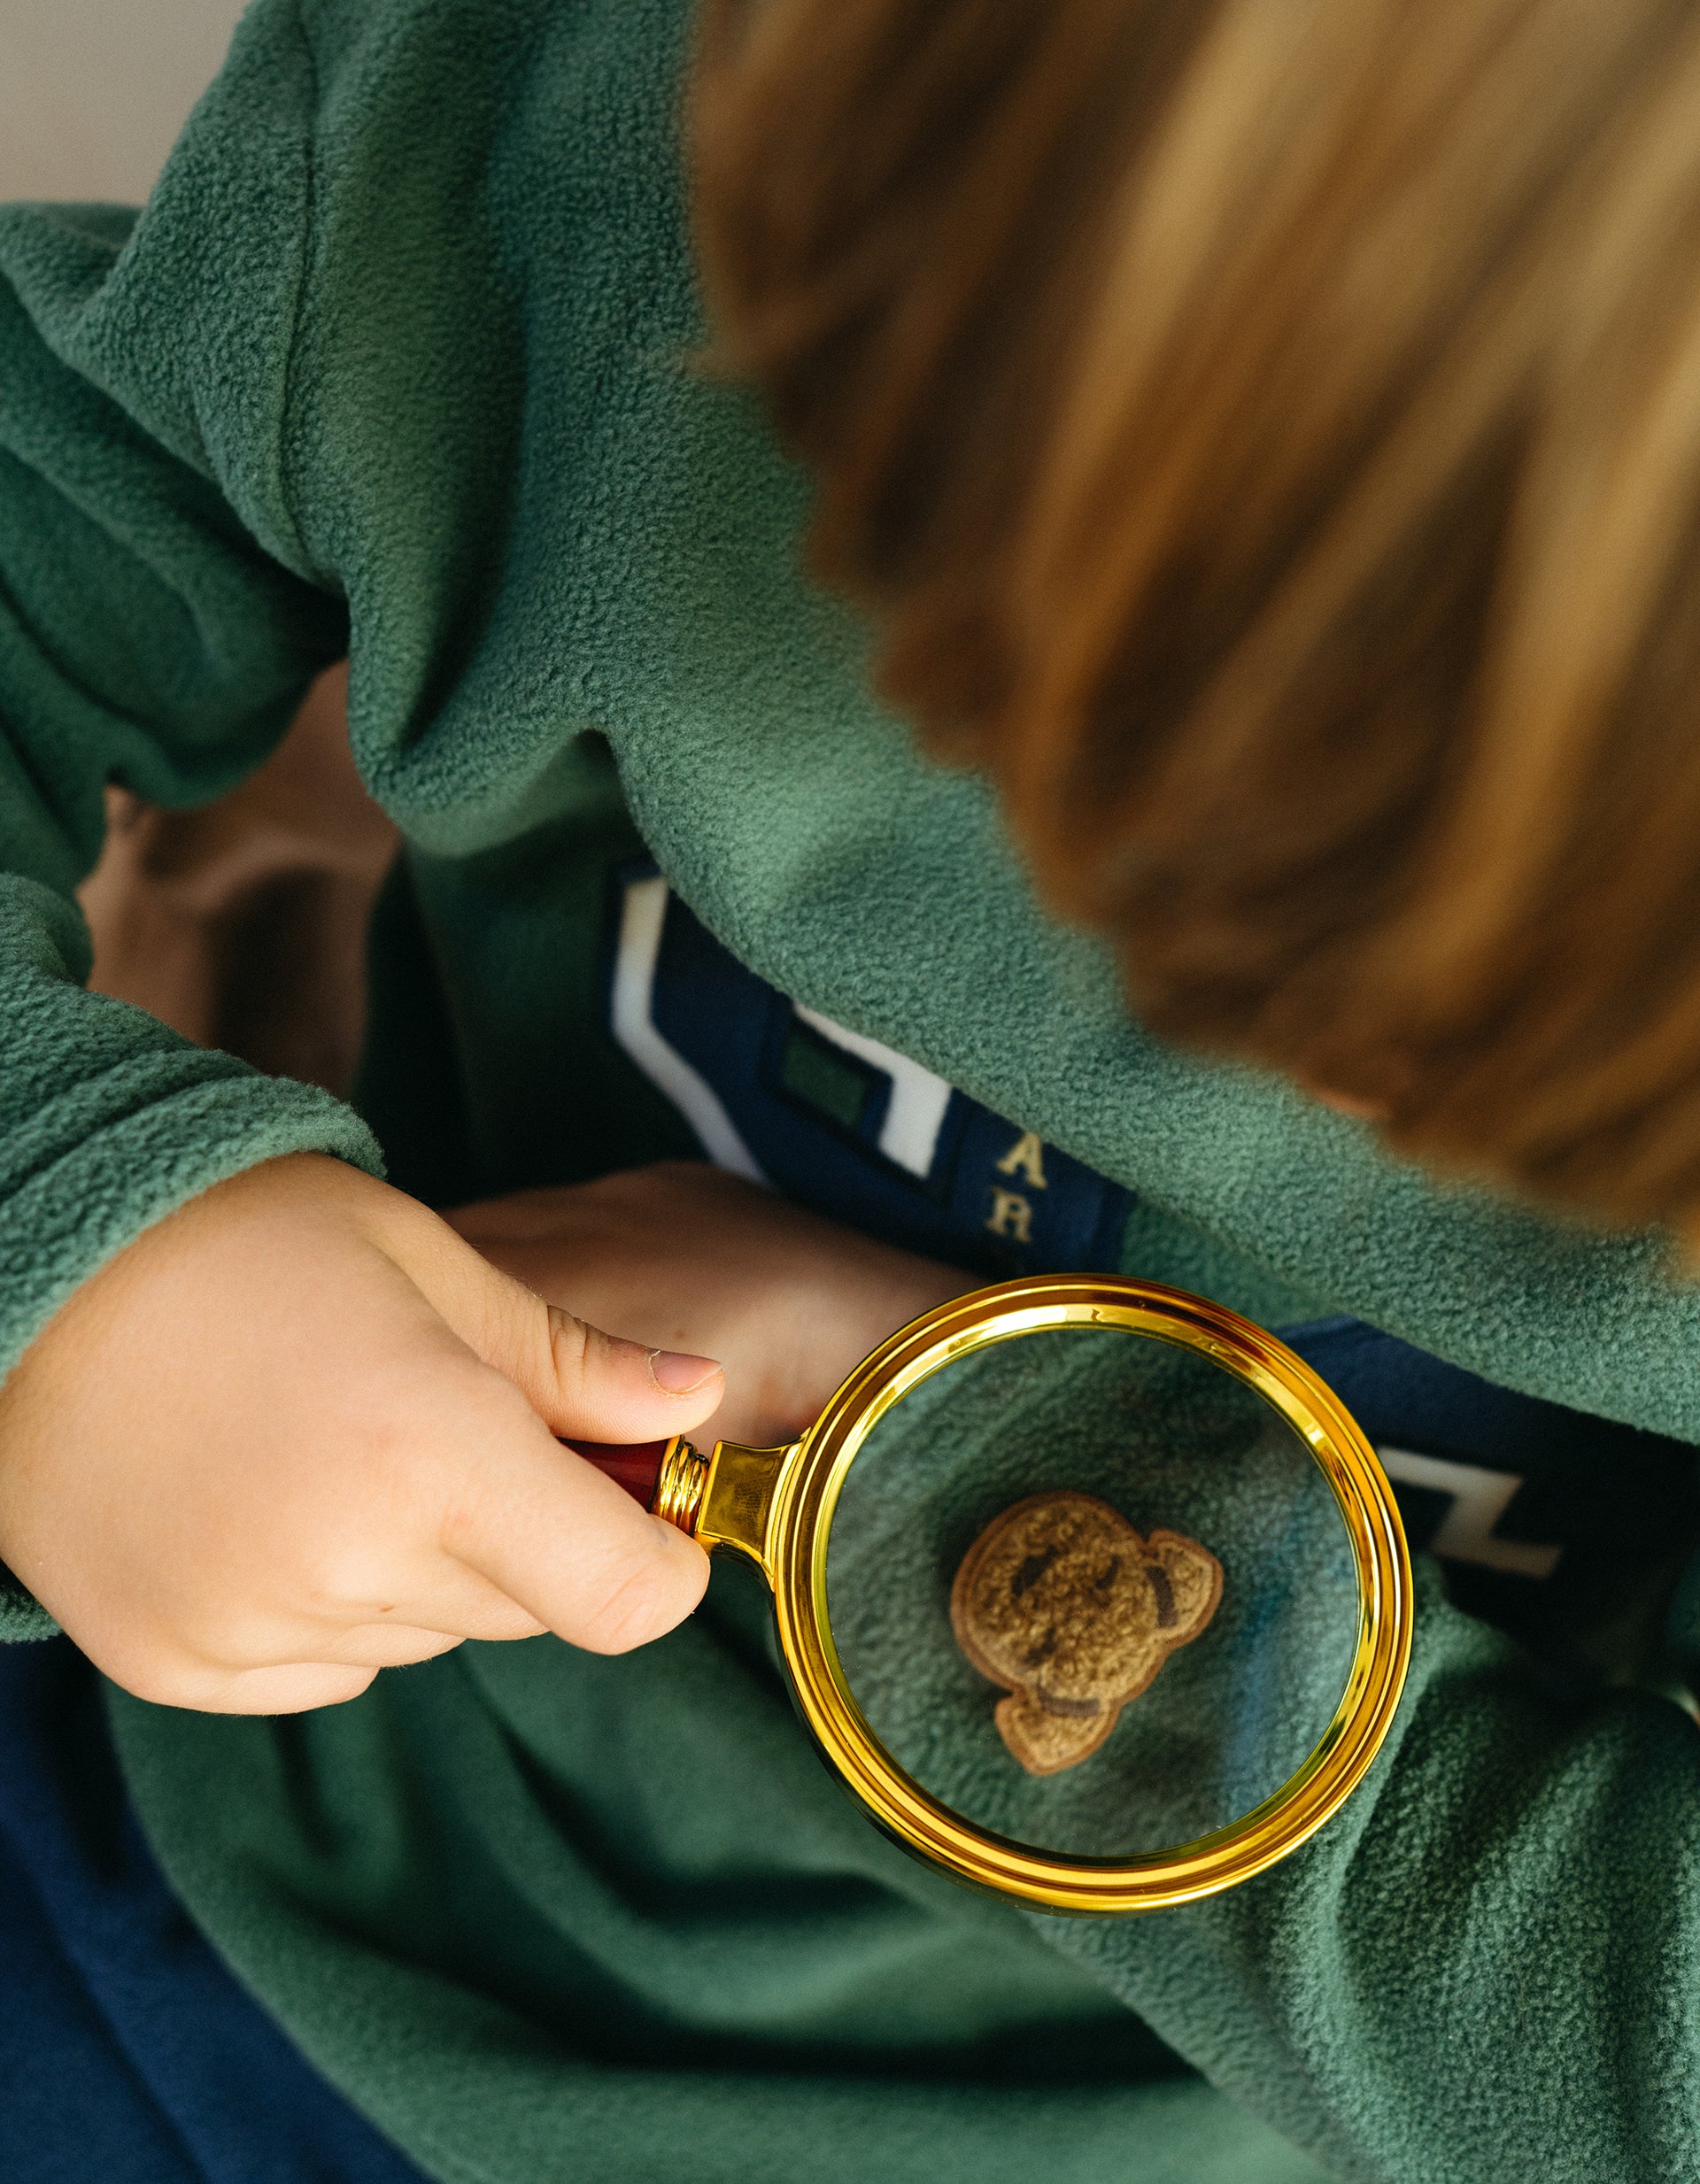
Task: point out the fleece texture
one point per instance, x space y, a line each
1173 1443
398 359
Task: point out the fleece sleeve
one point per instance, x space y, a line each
1485 1965
159 622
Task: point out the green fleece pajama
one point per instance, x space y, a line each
398 360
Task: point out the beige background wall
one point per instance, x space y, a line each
93 91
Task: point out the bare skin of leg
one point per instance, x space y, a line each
243 925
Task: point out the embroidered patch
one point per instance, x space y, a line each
1066 1605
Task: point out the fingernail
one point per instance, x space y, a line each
677 1372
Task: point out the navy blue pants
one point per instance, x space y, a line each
129 2056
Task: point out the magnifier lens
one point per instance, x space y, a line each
1091 1592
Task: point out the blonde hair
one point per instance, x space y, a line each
1267 436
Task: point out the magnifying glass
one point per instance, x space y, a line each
1090 1591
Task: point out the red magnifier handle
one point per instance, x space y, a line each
668 1478
637 1468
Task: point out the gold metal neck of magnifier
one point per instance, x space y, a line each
679 1490
775 1508
724 1500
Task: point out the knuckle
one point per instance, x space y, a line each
300 1690
162 1683
638 1598
569 1345
462 1524
166 1662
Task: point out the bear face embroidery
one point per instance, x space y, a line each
1066 1605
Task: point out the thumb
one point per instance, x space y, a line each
579 1380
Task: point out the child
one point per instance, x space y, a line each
399 360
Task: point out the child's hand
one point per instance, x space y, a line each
688 1257
299 1432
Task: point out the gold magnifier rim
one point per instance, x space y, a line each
799 1527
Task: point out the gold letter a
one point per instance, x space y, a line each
1026 1157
